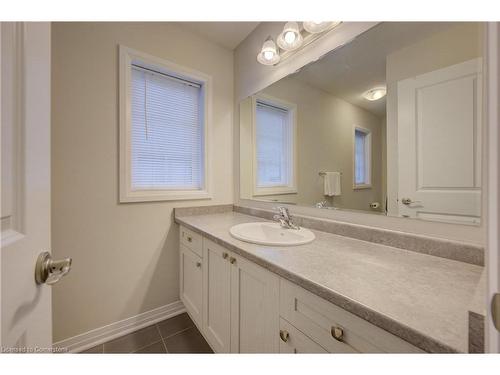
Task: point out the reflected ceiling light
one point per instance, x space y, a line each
269 54
315 27
375 93
290 38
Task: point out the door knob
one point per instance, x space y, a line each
49 271
284 335
408 201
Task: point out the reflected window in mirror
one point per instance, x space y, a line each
362 158
274 147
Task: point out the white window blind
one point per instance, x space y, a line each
361 158
167 145
273 145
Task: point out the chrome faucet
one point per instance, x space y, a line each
285 219
322 204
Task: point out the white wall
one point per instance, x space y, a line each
251 77
125 256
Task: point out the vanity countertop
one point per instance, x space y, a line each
421 298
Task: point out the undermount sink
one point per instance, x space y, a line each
271 234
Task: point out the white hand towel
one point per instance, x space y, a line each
332 184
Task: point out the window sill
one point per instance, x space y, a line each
274 191
361 187
163 195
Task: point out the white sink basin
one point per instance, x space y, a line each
271 234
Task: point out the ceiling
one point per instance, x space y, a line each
225 34
361 65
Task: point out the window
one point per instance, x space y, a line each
362 158
274 147
163 130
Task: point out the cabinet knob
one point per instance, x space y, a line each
232 260
284 335
338 333
225 255
198 264
190 239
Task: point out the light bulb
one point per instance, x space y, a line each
315 27
268 55
289 37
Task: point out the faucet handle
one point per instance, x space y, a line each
283 211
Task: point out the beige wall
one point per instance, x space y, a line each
125 256
325 126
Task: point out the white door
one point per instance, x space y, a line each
493 248
216 296
25 307
439 144
254 308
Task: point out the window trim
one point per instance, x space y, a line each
127 57
368 157
292 109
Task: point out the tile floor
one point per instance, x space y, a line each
174 335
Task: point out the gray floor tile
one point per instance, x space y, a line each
133 341
94 349
189 341
157 347
174 325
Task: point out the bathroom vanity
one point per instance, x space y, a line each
334 295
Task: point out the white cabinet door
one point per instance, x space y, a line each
295 342
254 308
439 143
216 296
191 283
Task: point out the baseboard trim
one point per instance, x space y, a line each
114 330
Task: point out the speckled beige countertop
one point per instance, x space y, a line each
421 298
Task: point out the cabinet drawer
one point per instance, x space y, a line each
294 341
191 283
321 321
191 240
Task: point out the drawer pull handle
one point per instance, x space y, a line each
232 260
225 255
198 264
190 239
284 335
338 333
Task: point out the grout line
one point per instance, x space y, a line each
145 346
162 340
178 332
136 350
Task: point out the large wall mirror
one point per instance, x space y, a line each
388 124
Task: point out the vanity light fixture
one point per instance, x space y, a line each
375 93
269 54
290 39
315 27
